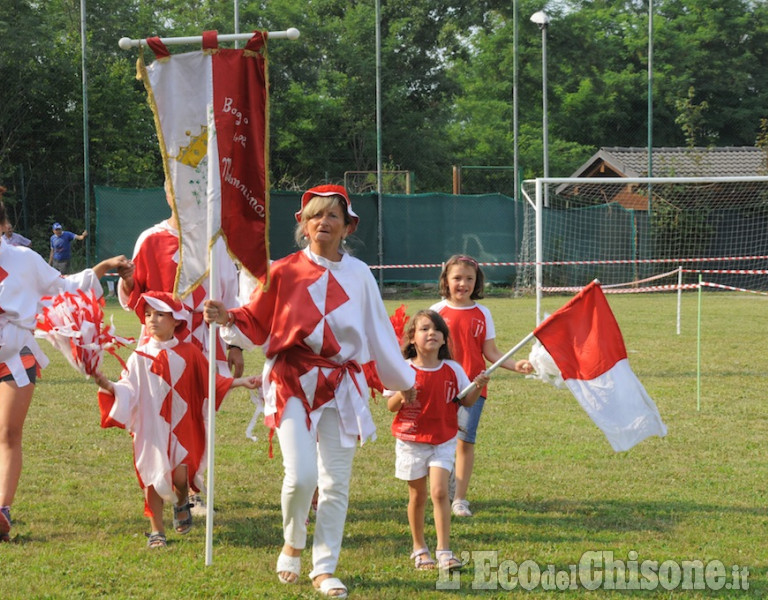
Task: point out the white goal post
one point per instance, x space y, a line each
632 232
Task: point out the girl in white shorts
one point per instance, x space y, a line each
426 430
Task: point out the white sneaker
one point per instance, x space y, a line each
460 508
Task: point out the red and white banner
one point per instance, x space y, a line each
584 340
210 110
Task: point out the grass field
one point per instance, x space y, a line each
547 487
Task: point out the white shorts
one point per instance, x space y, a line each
413 459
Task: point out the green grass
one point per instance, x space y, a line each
547 487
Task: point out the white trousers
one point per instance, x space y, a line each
314 458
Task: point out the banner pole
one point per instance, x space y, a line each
213 291
496 365
127 43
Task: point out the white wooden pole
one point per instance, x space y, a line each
289 34
213 291
496 365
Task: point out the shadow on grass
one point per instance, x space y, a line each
552 520
264 529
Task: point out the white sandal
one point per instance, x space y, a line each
448 561
422 559
288 564
460 508
332 584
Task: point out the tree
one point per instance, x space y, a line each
446 72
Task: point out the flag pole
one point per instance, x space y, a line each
289 34
213 291
496 365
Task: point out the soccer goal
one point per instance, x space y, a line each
644 234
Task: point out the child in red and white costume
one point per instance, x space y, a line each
426 430
473 340
156 260
322 325
161 399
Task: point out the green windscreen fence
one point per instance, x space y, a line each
418 229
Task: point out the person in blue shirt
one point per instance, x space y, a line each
61 248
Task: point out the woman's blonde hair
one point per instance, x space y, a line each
317 205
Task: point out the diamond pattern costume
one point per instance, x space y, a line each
161 399
323 327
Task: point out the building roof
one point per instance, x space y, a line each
676 162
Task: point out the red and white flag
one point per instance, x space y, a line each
210 110
584 340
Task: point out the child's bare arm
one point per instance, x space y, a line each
480 382
395 402
102 381
492 354
401 398
251 382
524 366
116 263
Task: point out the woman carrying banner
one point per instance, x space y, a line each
325 333
25 278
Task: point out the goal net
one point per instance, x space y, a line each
644 233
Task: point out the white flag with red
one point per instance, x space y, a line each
584 340
210 110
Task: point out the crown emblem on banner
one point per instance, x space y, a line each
195 151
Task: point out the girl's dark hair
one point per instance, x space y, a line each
456 259
3 214
409 349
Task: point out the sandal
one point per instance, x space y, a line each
422 559
156 540
5 524
448 561
182 526
460 508
288 564
331 587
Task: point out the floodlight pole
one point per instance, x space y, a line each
379 201
650 92
86 157
542 20
237 21
515 124
650 107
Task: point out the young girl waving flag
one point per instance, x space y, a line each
426 429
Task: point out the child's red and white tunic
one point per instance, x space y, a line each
161 399
324 330
25 278
156 256
470 327
432 417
